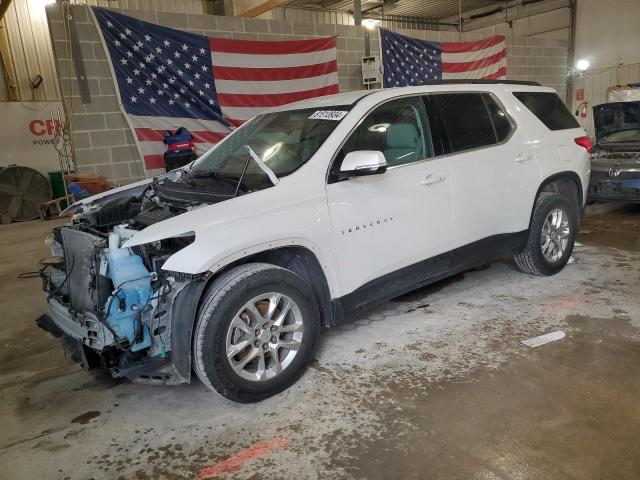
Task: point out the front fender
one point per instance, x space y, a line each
200 257
183 315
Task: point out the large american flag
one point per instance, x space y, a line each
410 61
168 78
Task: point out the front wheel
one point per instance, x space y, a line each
551 235
255 332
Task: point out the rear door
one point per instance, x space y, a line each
492 167
383 223
553 130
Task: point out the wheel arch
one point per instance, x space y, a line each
565 183
300 260
304 263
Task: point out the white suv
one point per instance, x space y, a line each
307 214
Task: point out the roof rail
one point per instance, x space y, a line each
481 82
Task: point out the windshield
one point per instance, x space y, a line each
624 136
617 122
284 141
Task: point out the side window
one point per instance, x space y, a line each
499 117
549 109
398 129
439 136
466 119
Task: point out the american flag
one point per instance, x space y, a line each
168 78
409 61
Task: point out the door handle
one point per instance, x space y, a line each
523 157
431 179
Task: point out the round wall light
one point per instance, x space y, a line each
582 65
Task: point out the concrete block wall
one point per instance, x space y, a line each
542 60
103 141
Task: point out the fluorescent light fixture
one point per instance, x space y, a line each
379 127
271 151
370 23
582 65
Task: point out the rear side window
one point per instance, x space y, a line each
549 109
466 119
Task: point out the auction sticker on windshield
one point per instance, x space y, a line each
336 115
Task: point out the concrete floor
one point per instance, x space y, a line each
434 385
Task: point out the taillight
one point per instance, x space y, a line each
584 142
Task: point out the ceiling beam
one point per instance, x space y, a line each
261 8
4 6
5 56
7 65
516 11
357 12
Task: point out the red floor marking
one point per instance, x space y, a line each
567 304
234 461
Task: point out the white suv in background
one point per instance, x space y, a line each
307 214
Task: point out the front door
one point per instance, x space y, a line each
382 223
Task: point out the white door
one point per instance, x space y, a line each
384 222
492 167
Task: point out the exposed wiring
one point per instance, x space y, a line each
66 278
35 273
103 320
119 287
30 274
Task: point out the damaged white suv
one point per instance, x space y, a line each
305 215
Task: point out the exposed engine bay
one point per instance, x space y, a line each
615 158
118 303
126 276
615 175
622 159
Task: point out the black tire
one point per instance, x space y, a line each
531 260
221 302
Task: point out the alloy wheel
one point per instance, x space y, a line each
555 235
264 336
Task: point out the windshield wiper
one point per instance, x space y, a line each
212 174
263 166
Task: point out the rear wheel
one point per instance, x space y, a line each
551 235
255 333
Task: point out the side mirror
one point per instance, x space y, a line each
362 162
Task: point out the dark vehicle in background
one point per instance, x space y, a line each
615 160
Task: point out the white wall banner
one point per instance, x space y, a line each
26 133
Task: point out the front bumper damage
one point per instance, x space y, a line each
94 322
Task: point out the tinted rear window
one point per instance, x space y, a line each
466 119
548 107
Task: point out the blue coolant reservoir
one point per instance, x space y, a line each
133 280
